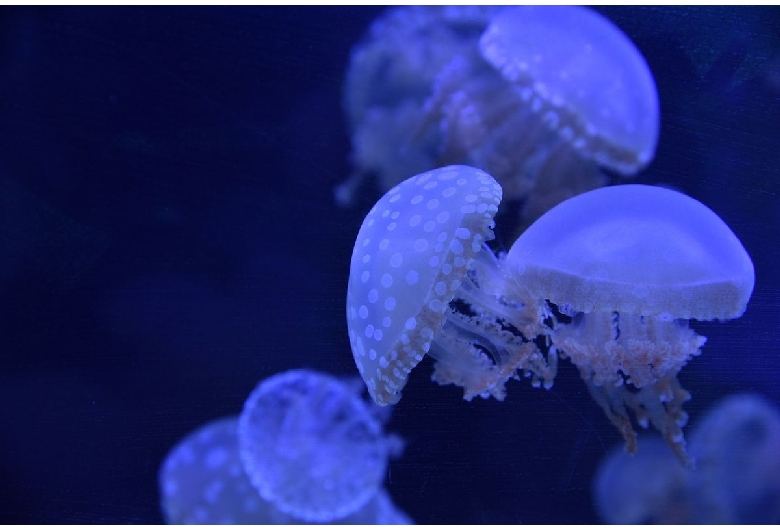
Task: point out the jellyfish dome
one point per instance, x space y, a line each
736 446
202 480
422 282
311 446
629 266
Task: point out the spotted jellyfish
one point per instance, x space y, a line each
422 281
628 266
202 481
312 447
543 99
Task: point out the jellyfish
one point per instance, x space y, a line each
736 446
202 481
540 97
423 282
390 76
650 487
627 267
312 447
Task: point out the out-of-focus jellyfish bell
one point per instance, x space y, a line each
202 481
422 282
650 487
631 265
311 446
566 91
736 446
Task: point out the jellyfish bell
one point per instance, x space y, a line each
631 265
311 446
560 93
584 76
423 282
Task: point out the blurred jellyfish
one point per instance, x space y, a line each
422 282
312 447
650 487
631 265
389 78
737 451
202 481
541 99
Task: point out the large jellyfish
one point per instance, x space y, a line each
422 282
631 265
736 446
539 97
202 481
312 447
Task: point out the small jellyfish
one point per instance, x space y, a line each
202 481
423 282
650 487
629 266
736 446
312 447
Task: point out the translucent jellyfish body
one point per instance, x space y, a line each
631 265
202 481
391 73
650 487
736 446
311 446
539 97
422 282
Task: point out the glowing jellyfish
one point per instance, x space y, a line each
650 487
539 97
311 446
631 265
736 446
202 481
422 282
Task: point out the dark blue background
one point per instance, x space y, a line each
168 238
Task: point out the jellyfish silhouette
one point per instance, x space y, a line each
539 97
202 481
650 487
736 446
312 447
422 282
631 265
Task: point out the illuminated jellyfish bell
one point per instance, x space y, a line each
650 487
736 446
423 282
202 481
564 92
631 265
311 446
